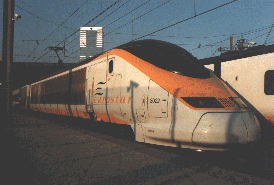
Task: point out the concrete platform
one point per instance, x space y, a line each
42 149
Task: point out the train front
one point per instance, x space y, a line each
210 116
205 113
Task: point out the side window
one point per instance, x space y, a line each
269 82
110 67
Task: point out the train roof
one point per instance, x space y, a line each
234 55
167 56
71 67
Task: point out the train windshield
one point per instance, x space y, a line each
167 56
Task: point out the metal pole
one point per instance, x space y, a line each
7 52
132 30
231 43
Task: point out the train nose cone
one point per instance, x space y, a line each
222 128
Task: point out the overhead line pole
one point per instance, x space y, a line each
7 54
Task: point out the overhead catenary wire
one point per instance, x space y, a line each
118 18
258 36
113 12
133 19
138 17
242 34
107 25
211 36
39 17
249 32
143 15
160 35
90 21
208 45
150 34
186 19
104 18
127 13
63 22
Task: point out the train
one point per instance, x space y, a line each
251 74
157 88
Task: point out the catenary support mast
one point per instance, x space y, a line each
7 54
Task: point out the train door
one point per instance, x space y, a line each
114 98
89 89
158 123
99 91
140 108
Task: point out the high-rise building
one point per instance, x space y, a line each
91 41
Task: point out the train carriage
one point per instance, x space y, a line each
252 76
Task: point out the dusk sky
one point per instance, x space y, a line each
52 22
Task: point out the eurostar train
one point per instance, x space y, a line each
157 88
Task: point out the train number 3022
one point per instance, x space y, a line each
154 100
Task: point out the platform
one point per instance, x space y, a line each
41 149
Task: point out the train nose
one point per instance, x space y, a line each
226 128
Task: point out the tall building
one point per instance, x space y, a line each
91 41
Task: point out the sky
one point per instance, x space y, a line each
53 22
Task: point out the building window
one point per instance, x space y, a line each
269 82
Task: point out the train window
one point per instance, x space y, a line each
269 82
110 67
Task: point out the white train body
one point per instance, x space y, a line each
161 106
253 78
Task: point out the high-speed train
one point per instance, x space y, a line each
157 88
